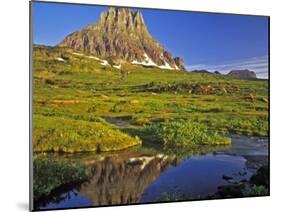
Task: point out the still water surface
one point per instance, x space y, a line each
141 175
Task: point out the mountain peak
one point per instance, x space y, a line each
123 18
122 33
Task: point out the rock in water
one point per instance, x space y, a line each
122 33
225 177
261 177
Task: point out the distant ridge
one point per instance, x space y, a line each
242 74
202 71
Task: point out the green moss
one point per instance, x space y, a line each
59 134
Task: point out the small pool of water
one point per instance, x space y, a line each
198 176
141 176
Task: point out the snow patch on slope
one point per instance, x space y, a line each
95 58
166 66
117 66
149 62
60 59
146 62
75 53
103 62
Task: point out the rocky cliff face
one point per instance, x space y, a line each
123 181
121 33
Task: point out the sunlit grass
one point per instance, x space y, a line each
72 100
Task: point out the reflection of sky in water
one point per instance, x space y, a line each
249 146
199 175
70 199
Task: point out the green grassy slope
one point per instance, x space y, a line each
79 94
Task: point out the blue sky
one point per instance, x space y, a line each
205 41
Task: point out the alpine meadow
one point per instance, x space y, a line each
119 119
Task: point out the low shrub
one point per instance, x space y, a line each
50 174
141 121
133 106
182 132
256 191
165 197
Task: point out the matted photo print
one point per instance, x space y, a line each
136 105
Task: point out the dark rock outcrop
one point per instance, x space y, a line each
180 63
261 177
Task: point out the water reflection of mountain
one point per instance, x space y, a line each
129 176
123 181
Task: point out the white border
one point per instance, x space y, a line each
14 88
